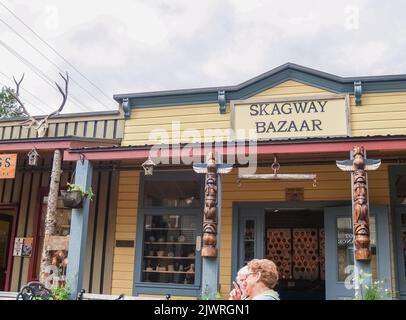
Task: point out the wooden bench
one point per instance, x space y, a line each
8 295
94 296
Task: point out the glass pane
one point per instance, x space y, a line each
403 231
176 194
249 240
58 244
169 249
345 251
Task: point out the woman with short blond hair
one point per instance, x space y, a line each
261 279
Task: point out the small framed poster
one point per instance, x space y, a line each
22 247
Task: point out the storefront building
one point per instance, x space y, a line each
301 121
24 197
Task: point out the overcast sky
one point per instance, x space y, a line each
134 46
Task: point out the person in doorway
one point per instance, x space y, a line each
262 277
238 293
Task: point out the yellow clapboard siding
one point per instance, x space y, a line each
118 291
380 131
129 173
123 275
126 204
381 98
126 212
125 228
379 124
125 220
291 88
197 117
123 259
121 283
168 118
123 267
127 195
195 109
373 116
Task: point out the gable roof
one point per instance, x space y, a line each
287 71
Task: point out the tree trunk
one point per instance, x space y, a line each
50 218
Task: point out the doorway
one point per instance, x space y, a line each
6 224
295 242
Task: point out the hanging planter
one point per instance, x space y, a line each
72 199
74 196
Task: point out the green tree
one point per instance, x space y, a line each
8 105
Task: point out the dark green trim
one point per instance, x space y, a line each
288 71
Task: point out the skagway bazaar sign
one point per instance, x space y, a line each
314 117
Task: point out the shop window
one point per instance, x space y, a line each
169 229
175 194
169 249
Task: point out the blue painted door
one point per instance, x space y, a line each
339 250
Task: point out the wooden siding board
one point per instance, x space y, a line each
89 241
71 129
7 133
110 129
52 130
89 129
100 129
80 129
110 241
99 236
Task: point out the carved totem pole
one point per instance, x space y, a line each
210 210
360 215
211 169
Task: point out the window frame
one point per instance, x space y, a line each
140 287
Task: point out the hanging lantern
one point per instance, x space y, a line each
33 156
148 167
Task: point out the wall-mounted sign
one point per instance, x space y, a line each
8 163
318 116
22 247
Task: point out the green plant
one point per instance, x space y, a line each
207 295
76 187
62 293
371 290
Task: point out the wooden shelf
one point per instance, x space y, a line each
155 271
166 257
157 242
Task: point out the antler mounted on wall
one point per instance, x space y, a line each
41 126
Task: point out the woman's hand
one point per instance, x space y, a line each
236 293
